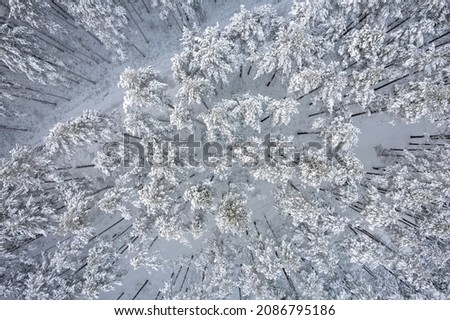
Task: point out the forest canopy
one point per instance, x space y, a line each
295 150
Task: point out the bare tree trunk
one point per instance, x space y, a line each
34 99
134 21
186 273
178 24
80 76
350 27
316 114
57 14
18 87
271 79
442 44
60 49
47 93
206 106
391 82
11 128
140 289
145 5
138 50
137 13
108 228
249 69
307 132
63 11
94 52
264 119
441 36
116 236
399 24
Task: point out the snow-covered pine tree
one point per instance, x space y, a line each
155 196
194 90
218 122
145 95
295 47
75 218
89 128
421 100
28 211
104 19
283 110
210 55
200 196
182 117
290 202
36 14
249 109
188 12
232 215
103 272
251 30
116 198
20 53
144 88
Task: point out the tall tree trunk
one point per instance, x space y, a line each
138 50
249 69
140 289
12 128
135 22
145 5
137 13
399 24
271 79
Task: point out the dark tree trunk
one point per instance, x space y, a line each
271 79
140 289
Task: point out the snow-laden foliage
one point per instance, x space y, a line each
20 53
251 29
91 126
421 100
231 215
200 196
185 11
208 55
102 270
34 13
144 88
104 19
246 168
